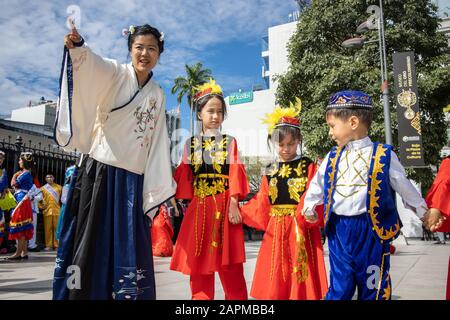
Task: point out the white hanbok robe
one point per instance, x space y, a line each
103 112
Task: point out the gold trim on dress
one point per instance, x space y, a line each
285 171
212 175
21 223
273 189
202 189
282 210
300 268
296 187
387 290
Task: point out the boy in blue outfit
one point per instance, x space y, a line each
356 183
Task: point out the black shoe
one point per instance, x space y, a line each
25 257
36 249
14 258
439 242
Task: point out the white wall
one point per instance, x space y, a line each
43 114
278 54
244 121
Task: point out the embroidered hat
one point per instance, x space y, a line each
207 89
350 99
284 116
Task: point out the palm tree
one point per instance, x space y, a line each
195 75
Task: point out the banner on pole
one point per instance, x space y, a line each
407 101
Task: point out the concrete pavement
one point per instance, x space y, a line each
418 271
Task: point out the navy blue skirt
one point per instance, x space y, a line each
105 248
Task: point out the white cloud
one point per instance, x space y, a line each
32 36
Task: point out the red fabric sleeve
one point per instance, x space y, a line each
36 182
184 178
255 213
237 176
439 194
312 169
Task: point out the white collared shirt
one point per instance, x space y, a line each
351 185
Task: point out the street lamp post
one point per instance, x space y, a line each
376 21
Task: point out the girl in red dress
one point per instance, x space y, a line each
161 233
438 217
290 264
213 179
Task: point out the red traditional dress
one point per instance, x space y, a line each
21 224
161 234
439 197
290 262
209 174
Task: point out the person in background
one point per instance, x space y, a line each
21 223
50 205
67 179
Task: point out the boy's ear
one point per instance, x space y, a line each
354 122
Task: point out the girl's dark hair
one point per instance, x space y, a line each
29 164
364 115
279 133
4 156
145 30
200 103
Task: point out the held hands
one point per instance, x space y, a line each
310 218
175 208
234 216
72 38
433 219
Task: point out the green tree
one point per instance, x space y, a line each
320 66
185 86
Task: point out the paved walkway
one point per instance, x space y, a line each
418 270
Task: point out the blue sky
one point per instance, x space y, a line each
225 35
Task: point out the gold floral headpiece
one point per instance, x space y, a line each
284 116
207 89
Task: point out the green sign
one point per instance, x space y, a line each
240 97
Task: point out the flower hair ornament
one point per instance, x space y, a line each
207 89
127 32
284 116
28 156
132 29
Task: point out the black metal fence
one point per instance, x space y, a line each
48 159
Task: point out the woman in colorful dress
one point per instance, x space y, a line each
21 223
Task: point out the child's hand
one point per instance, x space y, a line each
175 207
311 219
177 213
435 227
234 216
432 219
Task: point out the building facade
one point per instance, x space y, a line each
246 109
